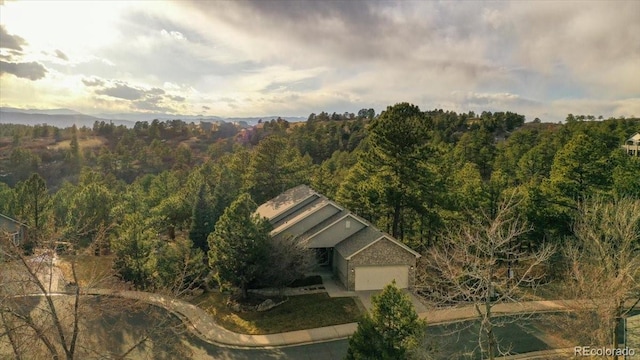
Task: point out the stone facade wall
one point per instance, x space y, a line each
383 252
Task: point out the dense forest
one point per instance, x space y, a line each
151 194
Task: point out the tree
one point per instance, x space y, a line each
33 206
202 220
398 139
482 264
626 181
274 167
73 157
134 248
88 212
395 169
391 330
604 265
580 168
23 162
239 244
288 259
44 317
179 267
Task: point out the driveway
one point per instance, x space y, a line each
335 289
365 299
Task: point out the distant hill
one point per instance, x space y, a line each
66 117
61 120
41 111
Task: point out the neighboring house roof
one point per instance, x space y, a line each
13 220
635 138
276 211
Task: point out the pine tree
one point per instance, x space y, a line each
239 244
202 221
390 331
33 205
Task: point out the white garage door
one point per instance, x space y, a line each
377 277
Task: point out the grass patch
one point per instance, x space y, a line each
300 312
551 291
92 271
91 142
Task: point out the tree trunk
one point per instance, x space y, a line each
491 340
395 228
243 290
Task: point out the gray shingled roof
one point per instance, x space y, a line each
357 241
300 214
307 206
323 224
13 220
284 201
290 198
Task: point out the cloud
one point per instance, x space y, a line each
137 97
152 103
204 107
10 54
256 57
503 100
121 91
177 98
28 70
155 91
93 82
177 35
9 41
61 55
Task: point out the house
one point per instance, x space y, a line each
16 229
632 145
359 254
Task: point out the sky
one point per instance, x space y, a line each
543 59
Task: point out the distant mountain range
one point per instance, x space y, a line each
63 118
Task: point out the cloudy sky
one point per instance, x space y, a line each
229 58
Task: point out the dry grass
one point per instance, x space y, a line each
298 313
90 143
92 271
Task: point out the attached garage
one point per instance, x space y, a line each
370 260
377 277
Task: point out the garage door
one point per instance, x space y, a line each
377 277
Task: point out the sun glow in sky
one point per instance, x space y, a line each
291 58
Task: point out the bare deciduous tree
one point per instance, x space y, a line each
42 317
483 264
289 260
604 268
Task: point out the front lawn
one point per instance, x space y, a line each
298 313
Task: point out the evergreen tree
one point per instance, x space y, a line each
74 156
391 330
33 205
202 220
239 243
134 249
275 167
